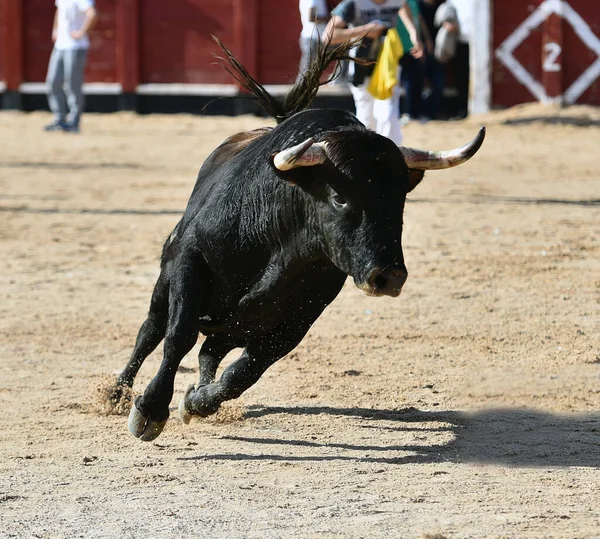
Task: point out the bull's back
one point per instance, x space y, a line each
218 164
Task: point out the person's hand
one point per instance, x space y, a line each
77 34
373 30
417 50
452 27
54 35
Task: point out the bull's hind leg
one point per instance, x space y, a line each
212 352
149 336
150 412
258 356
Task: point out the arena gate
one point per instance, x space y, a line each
545 50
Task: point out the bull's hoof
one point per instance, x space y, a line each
142 427
198 401
184 415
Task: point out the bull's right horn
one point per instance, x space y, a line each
306 154
426 160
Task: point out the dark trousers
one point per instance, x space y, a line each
412 76
434 78
460 66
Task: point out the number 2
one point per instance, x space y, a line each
553 51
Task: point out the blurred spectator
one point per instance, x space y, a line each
412 74
314 15
447 36
434 71
369 20
72 22
460 64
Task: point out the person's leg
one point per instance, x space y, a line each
418 81
405 81
56 96
364 102
412 82
462 79
387 115
74 74
305 53
435 74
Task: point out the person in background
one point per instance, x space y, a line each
460 63
434 71
314 15
412 74
369 20
72 21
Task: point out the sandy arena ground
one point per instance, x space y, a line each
468 407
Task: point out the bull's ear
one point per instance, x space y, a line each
414 178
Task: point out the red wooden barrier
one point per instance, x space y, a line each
127 26
175 40
3 47
12 43
153 41
278 50
543 49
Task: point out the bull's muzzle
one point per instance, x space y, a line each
387 282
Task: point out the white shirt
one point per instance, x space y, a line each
359 12
464 10
311 29
70 17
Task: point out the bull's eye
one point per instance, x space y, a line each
338 201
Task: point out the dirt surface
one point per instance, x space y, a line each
468 407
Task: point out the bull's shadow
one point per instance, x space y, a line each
505 436
506 200
578 121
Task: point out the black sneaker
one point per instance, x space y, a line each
56 125
70 128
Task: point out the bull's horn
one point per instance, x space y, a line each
306 154
426 160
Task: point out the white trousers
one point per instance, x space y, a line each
379 115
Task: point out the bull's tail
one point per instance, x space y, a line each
301 94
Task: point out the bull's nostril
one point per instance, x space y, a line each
380 282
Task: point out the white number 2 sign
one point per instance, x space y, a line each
553 51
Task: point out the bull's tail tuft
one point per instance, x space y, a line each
301 94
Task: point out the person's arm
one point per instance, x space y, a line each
90 19
451 26
337 31
445 17
405 14
55 26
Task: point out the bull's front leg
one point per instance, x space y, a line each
150 412
212 352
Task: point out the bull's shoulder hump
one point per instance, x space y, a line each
246 136
235 144
319 119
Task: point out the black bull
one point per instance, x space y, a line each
278 219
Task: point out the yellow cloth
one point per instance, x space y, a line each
384 77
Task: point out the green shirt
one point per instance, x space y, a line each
406 42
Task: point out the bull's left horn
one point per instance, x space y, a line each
426 160
306 154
